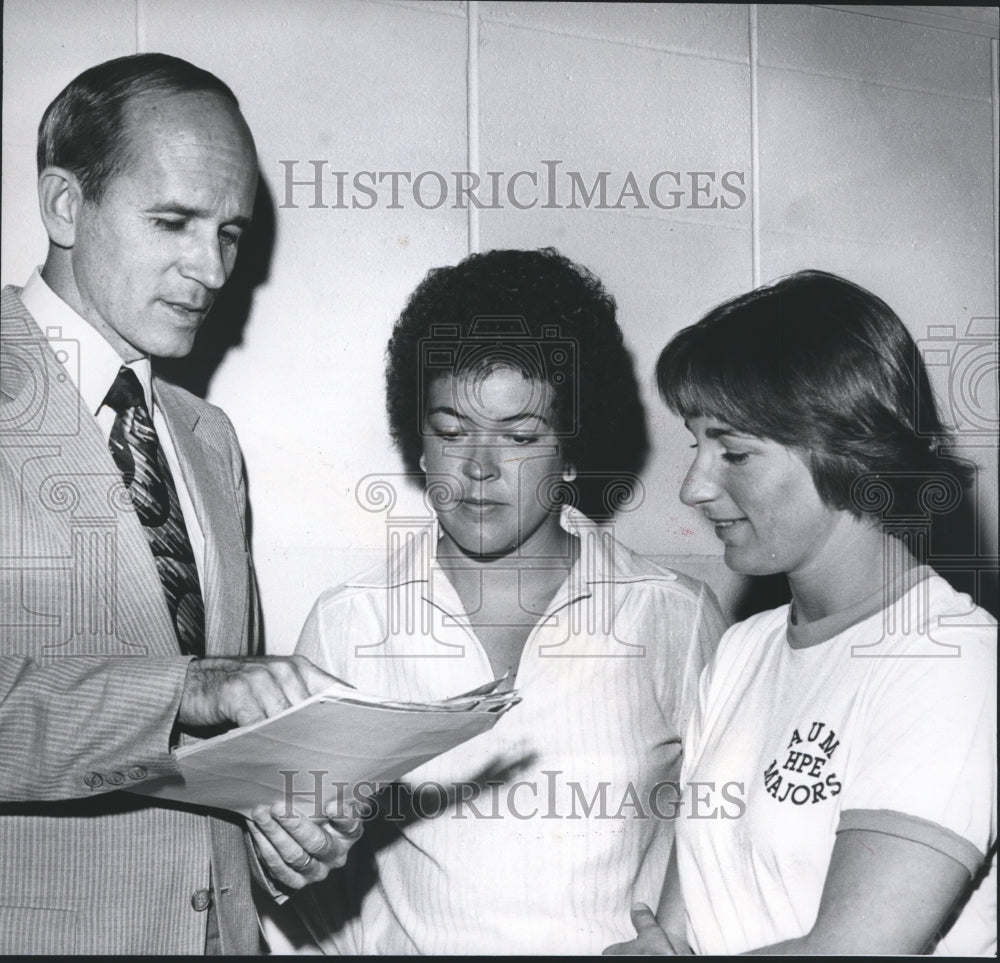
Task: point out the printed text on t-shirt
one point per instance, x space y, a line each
806 759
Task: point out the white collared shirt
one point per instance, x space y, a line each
577 781
92 365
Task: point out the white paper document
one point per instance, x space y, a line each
345 735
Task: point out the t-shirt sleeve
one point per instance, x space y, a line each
926 767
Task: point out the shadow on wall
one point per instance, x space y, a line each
224 327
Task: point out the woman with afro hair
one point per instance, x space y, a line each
512 399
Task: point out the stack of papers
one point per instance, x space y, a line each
344 735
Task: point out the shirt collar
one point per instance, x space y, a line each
90 362
602 559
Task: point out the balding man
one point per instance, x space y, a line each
128 612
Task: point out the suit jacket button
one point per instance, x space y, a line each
116 779
137 772
94 779
201 900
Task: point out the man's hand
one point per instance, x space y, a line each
246 690
650 940
298 851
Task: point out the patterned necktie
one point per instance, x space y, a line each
144 469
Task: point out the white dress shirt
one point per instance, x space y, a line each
575 818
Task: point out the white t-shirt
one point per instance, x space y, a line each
537 835
888 724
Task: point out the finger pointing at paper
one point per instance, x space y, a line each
246 690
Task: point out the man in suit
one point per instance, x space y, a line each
128 612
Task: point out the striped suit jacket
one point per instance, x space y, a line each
91 674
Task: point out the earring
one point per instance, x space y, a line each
569 474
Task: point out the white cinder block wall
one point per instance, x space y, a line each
854 142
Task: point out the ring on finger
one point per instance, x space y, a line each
353 835
304 865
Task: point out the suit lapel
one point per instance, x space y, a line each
72 488
208 475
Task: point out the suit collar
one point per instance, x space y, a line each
177 405
209 477
20 337
45 413
60 450
24 339
89 361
